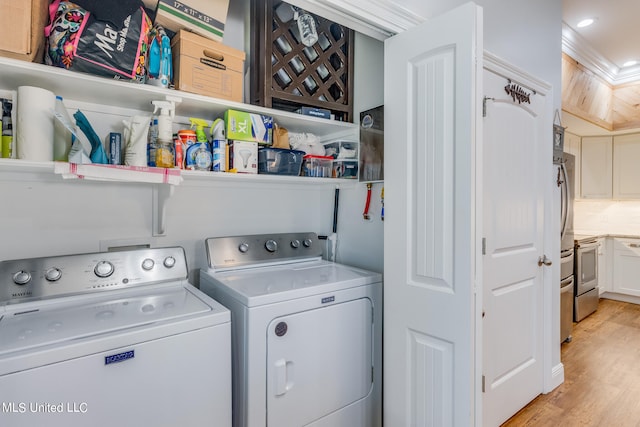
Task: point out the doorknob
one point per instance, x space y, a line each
544 260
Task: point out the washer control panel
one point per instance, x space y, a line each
256 249
72 274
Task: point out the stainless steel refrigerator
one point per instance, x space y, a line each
565 170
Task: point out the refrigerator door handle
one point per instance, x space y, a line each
564 182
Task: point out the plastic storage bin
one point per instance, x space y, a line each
317 166
280 161
345 169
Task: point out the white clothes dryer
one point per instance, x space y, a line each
115 338
306 333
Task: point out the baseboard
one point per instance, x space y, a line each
557 378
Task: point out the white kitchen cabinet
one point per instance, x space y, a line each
597 167
604 281
626 173
626 266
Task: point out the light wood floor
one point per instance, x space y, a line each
601 374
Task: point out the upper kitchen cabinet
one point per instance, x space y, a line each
626 174
597 167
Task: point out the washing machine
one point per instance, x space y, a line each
306 332
113 338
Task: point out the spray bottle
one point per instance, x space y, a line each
199 154
165 150
219 144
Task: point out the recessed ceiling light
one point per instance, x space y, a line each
585 22
629 63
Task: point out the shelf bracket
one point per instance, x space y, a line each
161 194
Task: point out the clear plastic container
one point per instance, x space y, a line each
317 166
165 154
280 161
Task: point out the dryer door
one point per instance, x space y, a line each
319 361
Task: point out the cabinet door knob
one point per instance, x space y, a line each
543 260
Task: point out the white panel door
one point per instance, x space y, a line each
432 112
516 135
318 362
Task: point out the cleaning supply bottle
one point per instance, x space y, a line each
62 136
7 129
219 146
165 149
199 155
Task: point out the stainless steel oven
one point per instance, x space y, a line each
586 278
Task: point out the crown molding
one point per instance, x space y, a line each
379 19
574 45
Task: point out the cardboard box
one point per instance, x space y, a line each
243 126
22 29
206 67
204 17
243 156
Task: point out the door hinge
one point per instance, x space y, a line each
483 390
484 105
484 246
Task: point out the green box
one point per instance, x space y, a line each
243 126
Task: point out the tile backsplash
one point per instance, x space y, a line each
606 217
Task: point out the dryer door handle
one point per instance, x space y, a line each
284 376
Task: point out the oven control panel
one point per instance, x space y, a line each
256 249
71 274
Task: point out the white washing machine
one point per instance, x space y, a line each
306 333
116 338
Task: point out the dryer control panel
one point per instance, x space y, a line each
259 249
36 278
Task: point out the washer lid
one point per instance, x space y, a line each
28 326
266 285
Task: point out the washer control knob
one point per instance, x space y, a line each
169 262
21 277
103 269
147 264
271 245
244 248
295 244
307 243
52 274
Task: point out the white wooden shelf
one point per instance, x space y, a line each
86 88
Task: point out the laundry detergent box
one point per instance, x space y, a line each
244 126
243 156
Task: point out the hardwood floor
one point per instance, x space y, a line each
601 372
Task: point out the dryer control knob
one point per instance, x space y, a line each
103 269
52 274
295 244
244 247
169 262
147 264
307 243
21 277
271 245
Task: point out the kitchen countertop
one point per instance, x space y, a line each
581 237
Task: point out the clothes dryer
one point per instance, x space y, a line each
306 333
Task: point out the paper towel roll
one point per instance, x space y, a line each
34 132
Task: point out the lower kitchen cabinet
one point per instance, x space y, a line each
604 278
626 266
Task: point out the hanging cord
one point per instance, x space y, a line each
382 202
365 214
